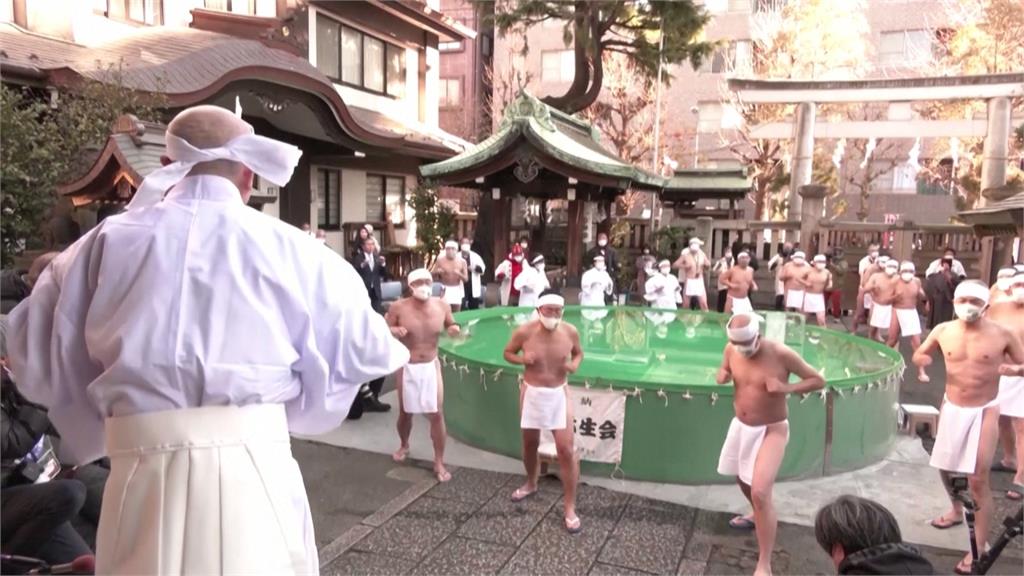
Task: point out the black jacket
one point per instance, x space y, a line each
886 559
13 289
24 423
611 259
371 278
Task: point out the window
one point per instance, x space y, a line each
450 46
145 11
450 93
351 57
385 196
558 65
236 6
328 200
905 47
709 116
767 5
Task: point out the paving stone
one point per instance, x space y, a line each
367 564
505 522
651 536
729 560
418 529
470 485
465 556
600 569
692 568
593 502
550 549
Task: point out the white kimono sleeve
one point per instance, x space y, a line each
346 345
50 362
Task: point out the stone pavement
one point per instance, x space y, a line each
469 526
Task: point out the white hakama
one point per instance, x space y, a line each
814 303
1011 397
741 305
210 490
956 442
544 408
419 388
909 320
881 316
739 453
795 299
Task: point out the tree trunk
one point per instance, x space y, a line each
581 80
483 235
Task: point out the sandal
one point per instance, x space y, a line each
520 494
443 476
573 525
741 523
942 524
998 466
1014 495
962 568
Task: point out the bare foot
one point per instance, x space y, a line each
763 570
400 454
922 376
441 473
524 492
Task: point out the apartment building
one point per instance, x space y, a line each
464 87
354 84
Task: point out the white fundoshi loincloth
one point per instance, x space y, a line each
453 295
956 442
814 303
795 299
740 305
1011 397
739 452
210 490
544 408
910 322
419 388
695 287
881 316
868 301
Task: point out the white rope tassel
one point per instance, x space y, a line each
661 394
637 394
687 395
483 379
714 398
498 374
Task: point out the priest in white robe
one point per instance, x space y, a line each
185 339
595 284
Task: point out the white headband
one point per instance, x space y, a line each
892 263
1006 273
972 290
420 274
598 259
664 263
270 159
551 300
696 241
799 254
743 254
747 332
451 244
538 259
907 267
820 258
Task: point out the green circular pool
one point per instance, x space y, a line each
676 417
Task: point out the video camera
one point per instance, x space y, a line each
1013 525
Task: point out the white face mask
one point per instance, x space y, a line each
602 242
1018 293
517 258
450 253
968 312
550 323
1003 284
665 271
873 255
465 247
422 292
819 265
890 271
694 248
750 349
600 267
524 245
907 276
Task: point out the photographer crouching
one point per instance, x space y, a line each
862 537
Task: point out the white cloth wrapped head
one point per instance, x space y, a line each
420 274
451 244
551 300
799 255
892 263
696 241
907 266
1006 273
746 332
972 289
820 258
270 159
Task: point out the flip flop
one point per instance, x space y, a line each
1015 496
443 476
938 524
741 523
961 568
400 455
519 495
998 466
573 526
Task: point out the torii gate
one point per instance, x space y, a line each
995 89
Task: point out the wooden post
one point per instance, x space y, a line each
574 243
502 222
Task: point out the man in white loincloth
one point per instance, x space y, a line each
185 338
1000 291
975 350
595 284
757 437
817 279
792 277
418 321
453 272
691 265
549 350
867 266
531 282
906 322
739 281
662 290
1010 313
881 287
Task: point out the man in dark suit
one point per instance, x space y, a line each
370 265
611 260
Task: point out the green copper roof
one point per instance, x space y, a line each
721 180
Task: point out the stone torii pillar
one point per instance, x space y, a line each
803 156
995 252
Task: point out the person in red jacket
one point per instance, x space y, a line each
506 274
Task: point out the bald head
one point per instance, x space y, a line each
37 267
212 127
